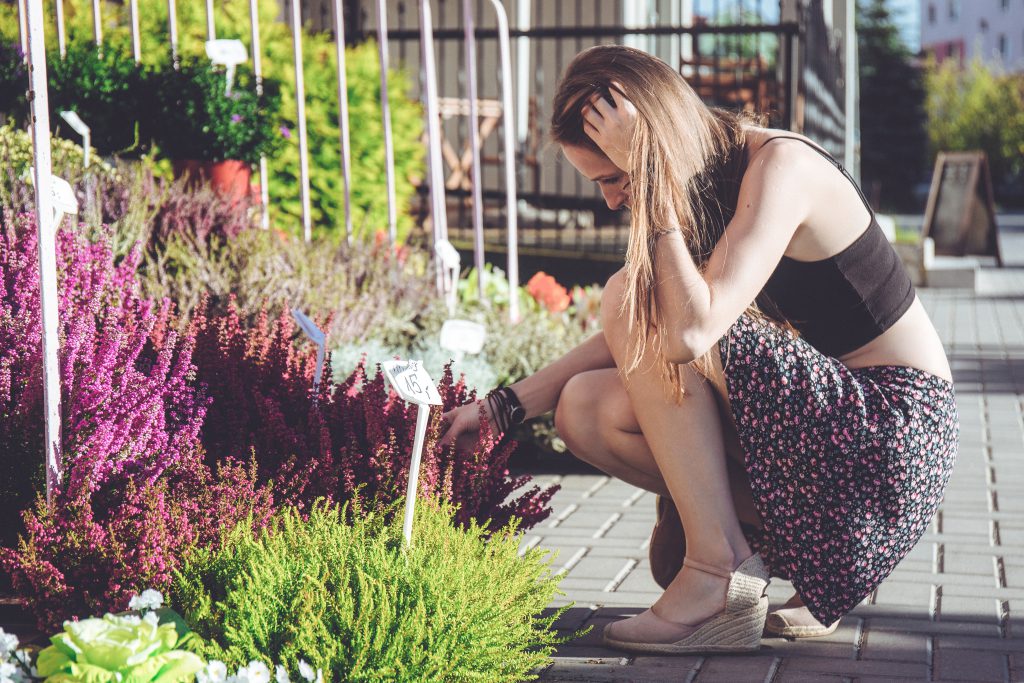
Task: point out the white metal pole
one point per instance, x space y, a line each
97 23
474 144
46 225
385 113
22 29
437 197
172 30
211 31
136 46
510 160
300 103
523 70
61 39
850 78
346 149
422 418
257 69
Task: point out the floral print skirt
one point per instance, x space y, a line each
847 467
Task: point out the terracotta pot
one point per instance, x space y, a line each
230 178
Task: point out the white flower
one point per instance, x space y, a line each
257 672
8 643
150 599
281 675
151 618
306 671
215 672
7 671
25 658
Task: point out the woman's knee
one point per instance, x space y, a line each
573 410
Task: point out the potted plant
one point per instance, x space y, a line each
210 133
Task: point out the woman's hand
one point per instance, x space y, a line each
611 125
463 425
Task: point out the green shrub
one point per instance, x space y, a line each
369 191
978 108
107 89
340 590
194 118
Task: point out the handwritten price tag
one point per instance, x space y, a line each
411 381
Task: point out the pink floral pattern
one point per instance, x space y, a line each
847 467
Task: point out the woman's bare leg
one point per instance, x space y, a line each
595 419
688 446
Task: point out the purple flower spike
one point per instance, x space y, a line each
285 132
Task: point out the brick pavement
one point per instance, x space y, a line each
953 610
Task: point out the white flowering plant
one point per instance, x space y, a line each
15 664
143 647
258 672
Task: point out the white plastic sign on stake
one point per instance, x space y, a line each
451 262
78 125
62 196
413 384
228 52
319 338
64 200
462 337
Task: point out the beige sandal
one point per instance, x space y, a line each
795 622
737 628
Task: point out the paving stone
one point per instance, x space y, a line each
970 665
903 646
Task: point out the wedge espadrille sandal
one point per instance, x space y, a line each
796 622
737 628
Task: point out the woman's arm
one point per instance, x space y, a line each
540 391
697 307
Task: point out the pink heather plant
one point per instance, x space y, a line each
135 492
354 436
129 407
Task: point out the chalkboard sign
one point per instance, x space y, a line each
961 216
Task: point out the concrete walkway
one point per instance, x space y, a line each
952 611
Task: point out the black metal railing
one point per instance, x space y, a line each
737 55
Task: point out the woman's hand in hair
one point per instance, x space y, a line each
611 124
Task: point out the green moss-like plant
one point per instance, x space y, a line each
340 590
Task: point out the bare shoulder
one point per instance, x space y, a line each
772 147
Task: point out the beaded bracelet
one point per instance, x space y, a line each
506 409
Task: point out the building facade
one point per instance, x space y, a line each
992 30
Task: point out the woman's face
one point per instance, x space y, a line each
612 180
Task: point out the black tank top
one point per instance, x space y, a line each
841 303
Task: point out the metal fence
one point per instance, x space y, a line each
741 54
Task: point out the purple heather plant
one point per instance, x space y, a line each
135 492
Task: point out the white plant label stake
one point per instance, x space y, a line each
319 338
62 196
230 53
462 337
412 383
451 262
78 125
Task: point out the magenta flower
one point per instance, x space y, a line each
235 118
285 132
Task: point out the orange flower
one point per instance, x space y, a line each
548 293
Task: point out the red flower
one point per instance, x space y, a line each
548 293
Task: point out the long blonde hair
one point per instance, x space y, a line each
685 167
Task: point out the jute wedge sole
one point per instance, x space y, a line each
728 632
738 628
777 626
